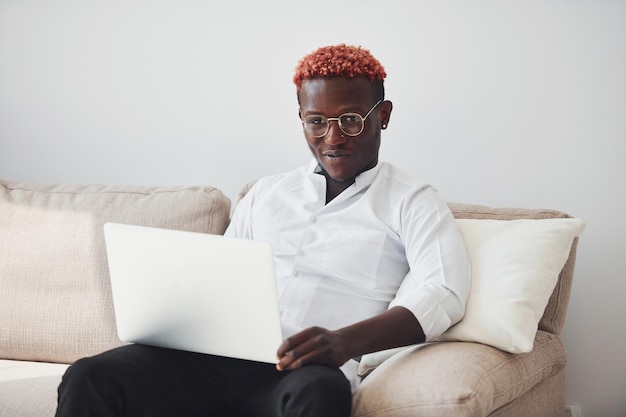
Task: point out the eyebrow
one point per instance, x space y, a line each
344 111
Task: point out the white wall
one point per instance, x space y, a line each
504 103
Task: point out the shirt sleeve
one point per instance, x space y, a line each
240 225
436 287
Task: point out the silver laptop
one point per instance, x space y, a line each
194 291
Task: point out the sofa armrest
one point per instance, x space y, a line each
455 379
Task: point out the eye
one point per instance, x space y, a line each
315 120
350 118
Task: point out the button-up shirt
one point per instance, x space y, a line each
387 240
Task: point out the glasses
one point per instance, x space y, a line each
351 124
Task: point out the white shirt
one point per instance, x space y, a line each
343 262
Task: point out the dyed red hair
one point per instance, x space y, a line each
339 61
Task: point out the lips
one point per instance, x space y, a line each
336 154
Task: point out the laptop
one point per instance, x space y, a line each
194 291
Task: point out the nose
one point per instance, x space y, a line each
334 136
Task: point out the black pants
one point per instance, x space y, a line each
145 381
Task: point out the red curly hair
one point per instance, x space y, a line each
339 61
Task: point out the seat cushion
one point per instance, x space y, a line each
455 379
29 389
55 298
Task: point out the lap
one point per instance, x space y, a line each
167 380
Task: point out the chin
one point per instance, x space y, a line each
340 177
339 172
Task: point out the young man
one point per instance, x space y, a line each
367 258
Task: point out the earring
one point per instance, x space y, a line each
384 126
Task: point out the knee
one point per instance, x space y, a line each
326 383
90 387
85 374
317 391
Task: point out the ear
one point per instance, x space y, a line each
385 113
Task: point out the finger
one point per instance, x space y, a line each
294 361
286 356
297 339
285 347
295 357
314 350
286 361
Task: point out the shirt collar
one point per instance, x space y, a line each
363 180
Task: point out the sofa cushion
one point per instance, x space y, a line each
56 302
29 397
553 318
29 388
455 379
515 267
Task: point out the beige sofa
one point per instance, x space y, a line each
55 307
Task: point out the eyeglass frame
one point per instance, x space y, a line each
338 119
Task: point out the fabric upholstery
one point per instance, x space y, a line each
456 379
56 302
34 397
29 388
546 399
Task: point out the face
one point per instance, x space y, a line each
344 157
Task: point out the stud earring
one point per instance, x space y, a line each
384 126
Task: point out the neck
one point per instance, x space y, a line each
334 188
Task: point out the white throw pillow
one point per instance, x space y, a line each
515 267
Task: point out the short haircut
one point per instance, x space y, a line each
342 61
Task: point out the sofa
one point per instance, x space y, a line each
56 307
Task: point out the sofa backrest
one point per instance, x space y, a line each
55 300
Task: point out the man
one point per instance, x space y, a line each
367 258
